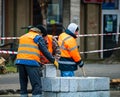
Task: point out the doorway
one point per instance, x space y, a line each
110 25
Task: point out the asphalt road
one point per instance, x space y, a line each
92 70
11 81
101 70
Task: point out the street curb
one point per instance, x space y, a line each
11 91
114 85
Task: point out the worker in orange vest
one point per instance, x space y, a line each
70 57
53 47
51 43
31 45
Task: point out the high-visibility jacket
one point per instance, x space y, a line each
69 52
49 45
44 60
28 49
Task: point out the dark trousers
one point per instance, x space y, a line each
34 74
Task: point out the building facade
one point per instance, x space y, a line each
89 15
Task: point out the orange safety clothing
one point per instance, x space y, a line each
28 49
70 56
68 47
49 45
44 60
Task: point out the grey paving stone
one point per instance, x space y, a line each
49 71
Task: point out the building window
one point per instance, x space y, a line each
54 11
54 17
110 4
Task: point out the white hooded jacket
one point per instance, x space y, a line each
72 27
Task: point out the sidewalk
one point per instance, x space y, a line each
9 83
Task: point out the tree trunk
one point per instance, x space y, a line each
43 5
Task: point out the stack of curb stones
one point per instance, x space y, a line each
73 86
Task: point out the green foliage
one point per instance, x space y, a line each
10 67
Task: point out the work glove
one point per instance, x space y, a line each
56 64
81 64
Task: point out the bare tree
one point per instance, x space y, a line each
43 5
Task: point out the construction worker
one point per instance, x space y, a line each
52 46
54 27
70 57
31 45
51 43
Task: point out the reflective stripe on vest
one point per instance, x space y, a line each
66 62
68 47
28 49
28 52
63 47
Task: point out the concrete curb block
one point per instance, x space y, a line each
75 84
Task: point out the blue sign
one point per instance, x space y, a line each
110 5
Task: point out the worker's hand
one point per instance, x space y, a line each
81 64
56 64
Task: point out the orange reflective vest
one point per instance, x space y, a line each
68 47
49 41
44 60
28 49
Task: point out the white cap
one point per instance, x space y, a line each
72 27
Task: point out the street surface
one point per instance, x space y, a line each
101 70
11 80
